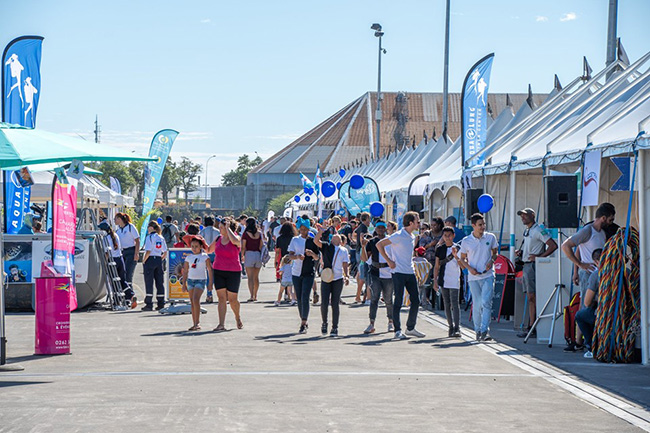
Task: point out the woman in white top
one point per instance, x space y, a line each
336 258
112 242
130 241
155 251
196 276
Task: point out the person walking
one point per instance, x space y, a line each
226 271
170 232
381 279
335 273
400 261
155 251
446 278
130 241
286 282
209 233
282 241
252 242
196 275
303 252
537 243
362 275
478 251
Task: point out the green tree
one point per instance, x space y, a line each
277 204
136 169
170 179
119 171
238 175
188 173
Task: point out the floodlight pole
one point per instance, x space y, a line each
206 177
611 34
445 80
378 33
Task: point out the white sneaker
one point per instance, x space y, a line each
415 333
294 303
391 327
367 302
400 336
276 303
588 354
370 329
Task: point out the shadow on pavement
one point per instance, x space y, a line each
4 384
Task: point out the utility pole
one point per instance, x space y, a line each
445 80
378 33
611 34
97 131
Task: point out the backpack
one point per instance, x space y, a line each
570 318
167 233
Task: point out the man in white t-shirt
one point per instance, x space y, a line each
478 251
589 238
400 261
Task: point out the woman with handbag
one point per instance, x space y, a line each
251 254
334 275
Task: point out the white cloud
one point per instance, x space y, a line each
541 19
206 21
569 16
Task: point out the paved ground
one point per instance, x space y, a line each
144 372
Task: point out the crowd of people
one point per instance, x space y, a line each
376 253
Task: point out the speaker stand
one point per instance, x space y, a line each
556 296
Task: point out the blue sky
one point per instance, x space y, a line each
245 77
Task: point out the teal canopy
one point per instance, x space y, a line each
21 146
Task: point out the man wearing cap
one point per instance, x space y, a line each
537 243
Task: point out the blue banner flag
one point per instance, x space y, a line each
21 85
623 164
115 185
161 145
365 195
474 109
348 203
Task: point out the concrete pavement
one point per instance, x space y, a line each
144 372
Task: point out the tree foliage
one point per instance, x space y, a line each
170 179
238 175
188 173
277 204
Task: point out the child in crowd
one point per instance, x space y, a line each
181 243
286 282
197 272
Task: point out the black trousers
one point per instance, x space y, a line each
121 272
153 272
331 293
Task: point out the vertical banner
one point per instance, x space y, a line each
161 145
21 85
591 178
64 227
115 185
474 109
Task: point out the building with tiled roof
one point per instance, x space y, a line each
347 137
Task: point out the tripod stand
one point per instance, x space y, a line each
556 297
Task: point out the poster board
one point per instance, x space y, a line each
175 259
42 251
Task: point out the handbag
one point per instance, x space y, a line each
265 255
327 274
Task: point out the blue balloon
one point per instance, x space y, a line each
485 203
201 227
342 172
310 191
338 185
328 188
306 190
297 199
357 181
307 198
376 209
159 220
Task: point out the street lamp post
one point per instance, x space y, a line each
206 177
378 33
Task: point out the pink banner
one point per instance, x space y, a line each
64 228
52 316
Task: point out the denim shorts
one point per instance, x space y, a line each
196 284
363 271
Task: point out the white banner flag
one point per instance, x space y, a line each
591 178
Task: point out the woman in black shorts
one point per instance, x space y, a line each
227 271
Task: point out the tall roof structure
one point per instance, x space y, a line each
347 137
